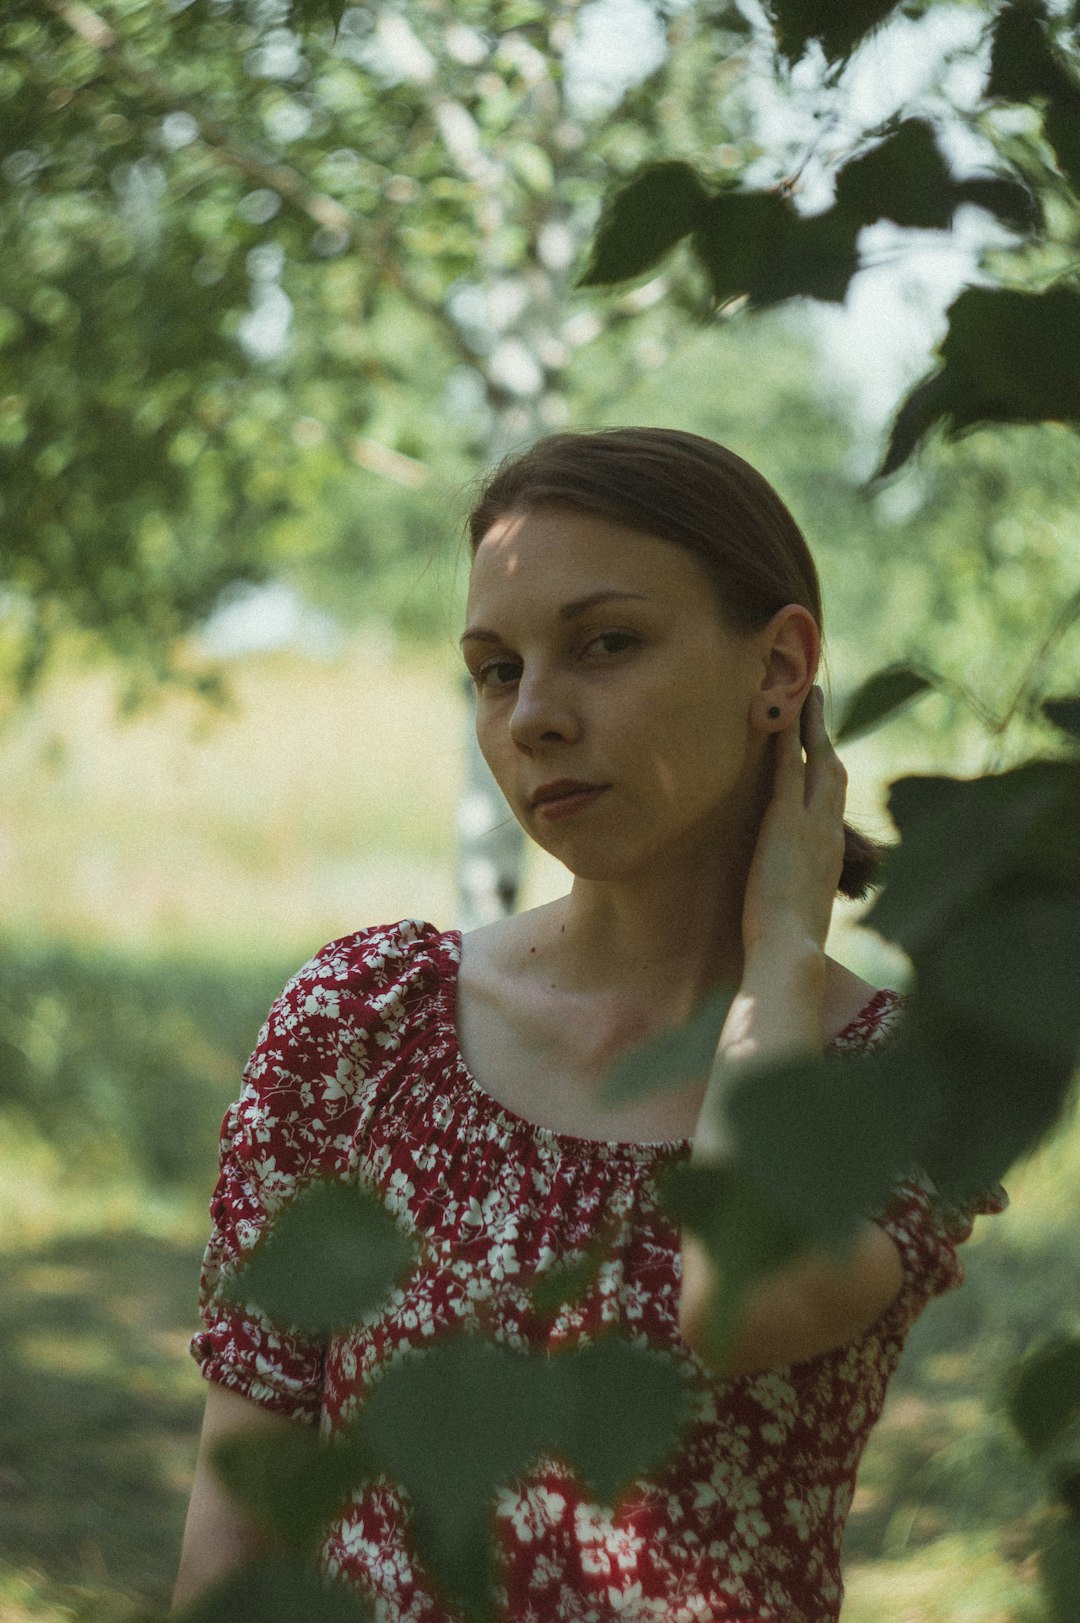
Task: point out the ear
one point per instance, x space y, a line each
790 648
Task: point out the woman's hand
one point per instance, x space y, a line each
799 854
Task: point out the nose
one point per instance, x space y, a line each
543 711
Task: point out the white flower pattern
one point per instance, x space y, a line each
357 1073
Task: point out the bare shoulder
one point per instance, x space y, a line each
503 948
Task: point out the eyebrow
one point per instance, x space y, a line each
569 611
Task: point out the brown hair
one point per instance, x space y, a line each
698 494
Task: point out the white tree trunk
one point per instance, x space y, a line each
491 843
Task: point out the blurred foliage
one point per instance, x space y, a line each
1044 1406
1010 354
124 1066
254 272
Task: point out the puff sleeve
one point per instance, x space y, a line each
297 1119
928 1230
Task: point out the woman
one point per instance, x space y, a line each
643 630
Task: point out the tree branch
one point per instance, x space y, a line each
289 184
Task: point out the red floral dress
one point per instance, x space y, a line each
357 1072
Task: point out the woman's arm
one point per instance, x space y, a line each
808 1309
816 1304
217 1534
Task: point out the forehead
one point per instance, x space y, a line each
567 553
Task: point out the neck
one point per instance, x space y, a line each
663 940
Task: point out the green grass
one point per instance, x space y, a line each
157 890
325 800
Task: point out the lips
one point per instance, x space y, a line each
561 789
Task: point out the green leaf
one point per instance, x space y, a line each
1021 64
328 1260
925 406
1035 1011
1024 66
882 695
816 259
962 838
1007 357
277 1591
754 244
1009 200
1064 713
904 178
644 221
533 168
839 28
618 1412
451 1424
294 1483
736 235
745 1233
567 1283
983 892
680 1054
1061 122
1043 1394
459 1421
819 1135
1043 1400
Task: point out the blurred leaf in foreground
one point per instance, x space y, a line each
880 696
820 1136
277 1591
644 221
1064 713
292 1484
1043 1401
1007 357
1025 66
1060 1568
1045 1398
838 28
744 1231
618 1411
451 1424
962 838
680 1054
330 1258
983 893
458 1421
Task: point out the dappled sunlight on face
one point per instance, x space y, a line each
601 659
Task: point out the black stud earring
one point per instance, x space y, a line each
774 711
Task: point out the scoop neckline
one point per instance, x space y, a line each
576 1143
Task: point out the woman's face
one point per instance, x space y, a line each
600 659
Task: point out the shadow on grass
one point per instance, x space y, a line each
943 1458
100 1411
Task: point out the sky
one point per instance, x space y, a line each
881 340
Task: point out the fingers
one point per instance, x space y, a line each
790 780
826 777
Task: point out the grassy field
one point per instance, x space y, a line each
160 879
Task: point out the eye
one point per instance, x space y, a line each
617 641
496 673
